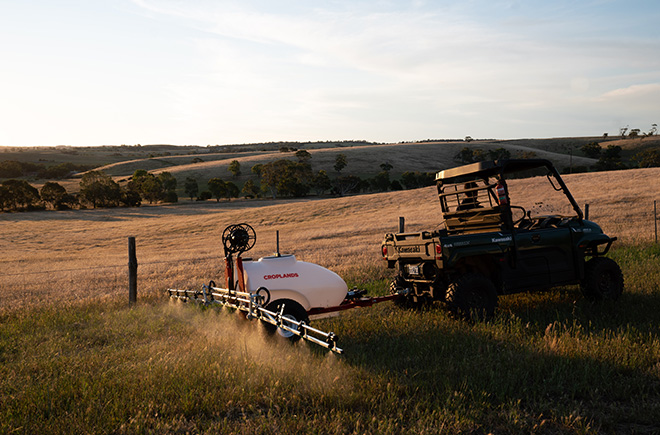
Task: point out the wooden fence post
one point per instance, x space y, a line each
655 218
402 224
132 272
586 211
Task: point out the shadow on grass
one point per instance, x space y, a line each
527 368
633 311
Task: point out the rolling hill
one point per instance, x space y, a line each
363 160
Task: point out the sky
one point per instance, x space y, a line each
207 72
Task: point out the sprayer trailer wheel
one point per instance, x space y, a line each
292 310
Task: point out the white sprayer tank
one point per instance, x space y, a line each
311 285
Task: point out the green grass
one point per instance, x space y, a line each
549 363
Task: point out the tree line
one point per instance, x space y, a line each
275 179
97 189
296 178
609 158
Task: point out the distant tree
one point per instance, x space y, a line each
99 189
191 187
170 196
10 169
414 180
499 154
5 198
60 171
479 155
204 196
235 168
386 167
381 182
147 185
232 190
20 194
54 194
347 184
218 188
168 181
653 130
591 150
340 162
154 188
363 186
303 156
466 155
468 139
130 197
409 180
286 178
612 152
296 180
396 185
250 189
610 159
622 131
634 132
605 135
648 158
526 155
256 169
151 188
426 179
321 182
139 173
271 174
470 155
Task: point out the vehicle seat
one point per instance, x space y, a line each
475 220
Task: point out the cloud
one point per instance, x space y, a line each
632 104
650 90
349 67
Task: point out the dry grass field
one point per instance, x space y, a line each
74 359
338 233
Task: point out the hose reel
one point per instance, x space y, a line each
238 238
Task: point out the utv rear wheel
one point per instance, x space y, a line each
472 297
603 279
293 311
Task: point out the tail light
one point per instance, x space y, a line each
438 251
384 250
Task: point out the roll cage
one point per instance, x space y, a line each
475 198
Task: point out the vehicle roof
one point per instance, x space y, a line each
491 168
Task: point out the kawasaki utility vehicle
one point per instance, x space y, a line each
490 245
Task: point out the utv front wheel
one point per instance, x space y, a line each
472 297
603 279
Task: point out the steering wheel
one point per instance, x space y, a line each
524 214
238 238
